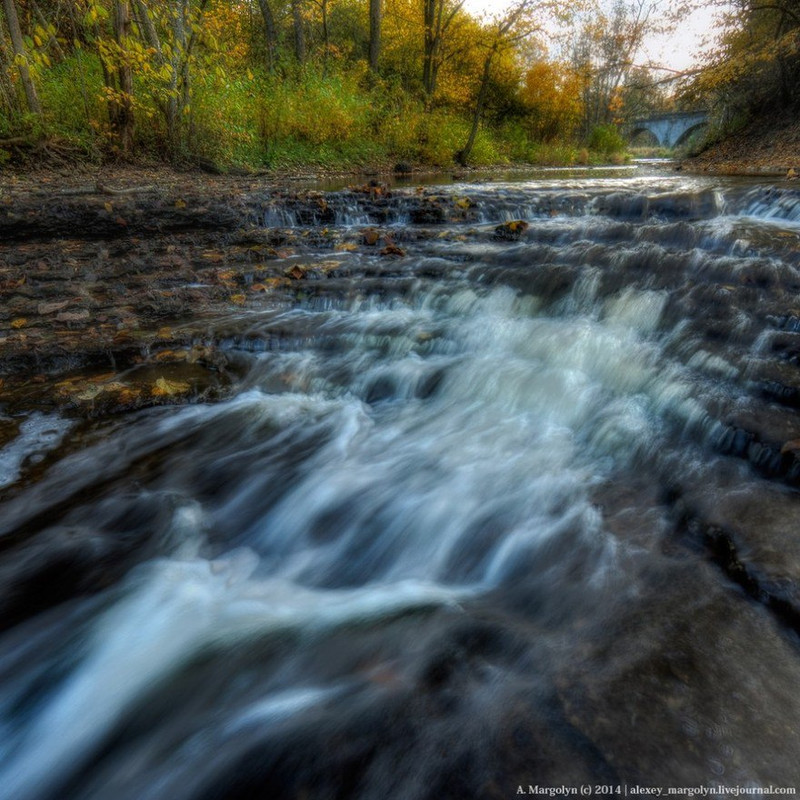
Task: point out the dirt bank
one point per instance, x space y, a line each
767 146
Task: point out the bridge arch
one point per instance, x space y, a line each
669 129
684 137
637 129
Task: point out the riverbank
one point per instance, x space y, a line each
766 147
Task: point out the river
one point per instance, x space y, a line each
514 507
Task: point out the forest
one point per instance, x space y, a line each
347 83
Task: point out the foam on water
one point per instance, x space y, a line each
38 434
395 452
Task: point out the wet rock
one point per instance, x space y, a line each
371 236
429 212
52 308
392 249
510 231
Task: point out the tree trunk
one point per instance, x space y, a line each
270 32
463 155
375 14
18 43
429 18
6 89
147 28
299 33
124 118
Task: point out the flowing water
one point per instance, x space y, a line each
515 507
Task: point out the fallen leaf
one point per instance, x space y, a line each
238 299
171 355
108 206
166 388
19 322
296 272
346 247
180 204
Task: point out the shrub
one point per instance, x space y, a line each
606 139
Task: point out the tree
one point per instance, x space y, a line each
438 16
21 57
604 54
375 14
122 118
552 96
756 68
299 32
506 31
270 33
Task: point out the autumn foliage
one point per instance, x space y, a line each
283 82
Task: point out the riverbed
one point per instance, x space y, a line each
414 491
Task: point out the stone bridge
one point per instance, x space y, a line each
669 130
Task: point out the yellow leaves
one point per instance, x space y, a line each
180 203
19 322
167 388
346 247
238 299
109 207
99 388
552 92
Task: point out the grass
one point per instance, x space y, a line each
255 120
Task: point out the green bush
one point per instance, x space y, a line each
606 139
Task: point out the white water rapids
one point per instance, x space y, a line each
434 529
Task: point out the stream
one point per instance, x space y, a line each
511 505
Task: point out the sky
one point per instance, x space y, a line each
678 50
